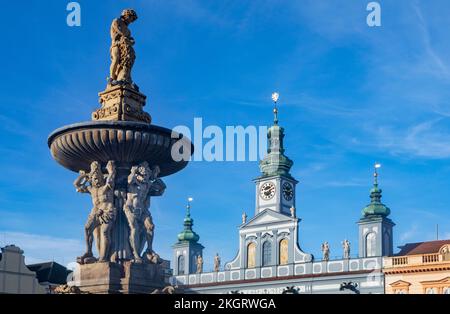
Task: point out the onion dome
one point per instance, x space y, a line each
188 235
376 208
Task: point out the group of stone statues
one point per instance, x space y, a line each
326 250
217 262
142 183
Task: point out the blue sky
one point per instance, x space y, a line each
350 95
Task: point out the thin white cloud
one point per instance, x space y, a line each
42 248
425 139
438 66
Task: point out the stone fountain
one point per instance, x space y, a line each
120 158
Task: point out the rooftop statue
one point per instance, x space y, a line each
199 264
325 251
217 262
346 247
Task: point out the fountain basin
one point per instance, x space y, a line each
128 143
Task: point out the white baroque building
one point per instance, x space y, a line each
270 259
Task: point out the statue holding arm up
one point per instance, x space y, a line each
103 212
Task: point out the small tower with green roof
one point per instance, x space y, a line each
375 228
275 187
187 249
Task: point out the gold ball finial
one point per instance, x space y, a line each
275 96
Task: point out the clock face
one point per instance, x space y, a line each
267 191
288 191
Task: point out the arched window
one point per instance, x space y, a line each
446 290
371 244
181 265
284 252
267 253
431 291
251 255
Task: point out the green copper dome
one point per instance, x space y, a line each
376 208
275 163
188 235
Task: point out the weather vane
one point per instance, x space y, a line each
275 97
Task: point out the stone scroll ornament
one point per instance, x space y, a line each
142 184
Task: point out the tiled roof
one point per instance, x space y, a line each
429 247
51 272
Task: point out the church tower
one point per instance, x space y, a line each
275 188
375 228
187 249
268 242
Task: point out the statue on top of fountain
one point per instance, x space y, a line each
122 52
121 100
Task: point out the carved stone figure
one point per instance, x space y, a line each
103 213
157 188
217 262
122 52
326 251
292 209
199 264
142 184
445 253
346 247
244 217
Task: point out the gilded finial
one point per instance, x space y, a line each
275 97
188 206
375 173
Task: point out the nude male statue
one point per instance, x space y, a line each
103 212
199 264
122 52
142 184
217 262
346 247
326 251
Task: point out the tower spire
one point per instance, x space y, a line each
376 166
188 207
275 97
376 208
188 235
275 163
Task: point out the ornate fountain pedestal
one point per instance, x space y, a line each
127 143
125 278
121 103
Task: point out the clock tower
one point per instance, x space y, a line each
275 188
